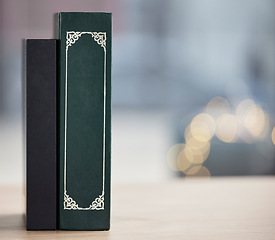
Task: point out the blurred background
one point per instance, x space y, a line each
193 85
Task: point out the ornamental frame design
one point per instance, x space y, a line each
69 203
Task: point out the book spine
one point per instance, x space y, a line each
41 140
84 120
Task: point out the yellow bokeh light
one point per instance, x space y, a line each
194 155
187 133
217 106
195 144
173 154
253 118
203 127
243 107
227 128
183 161
198 171
256 121
181 157
196 151
273 135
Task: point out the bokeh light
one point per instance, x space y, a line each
183 162
195 144
173 154
227 128
196 151
253 118
182 157
249 123
197 138
273 135
243 107
256 121
187 134
217 106
203 127
198 171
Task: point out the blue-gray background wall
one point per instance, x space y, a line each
170 58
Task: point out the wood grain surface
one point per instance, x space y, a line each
217 208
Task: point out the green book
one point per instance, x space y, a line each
84 120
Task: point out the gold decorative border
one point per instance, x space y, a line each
69 203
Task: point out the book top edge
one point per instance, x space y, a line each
40 39
109 13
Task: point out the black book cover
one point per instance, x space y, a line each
40 133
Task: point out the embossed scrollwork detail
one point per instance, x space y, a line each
98 203
99 37
70 204
72 37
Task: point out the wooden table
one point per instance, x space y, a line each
218 208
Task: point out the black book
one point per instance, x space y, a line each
41 137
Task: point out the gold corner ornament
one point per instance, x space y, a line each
99 37
70 204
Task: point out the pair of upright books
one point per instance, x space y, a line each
68 125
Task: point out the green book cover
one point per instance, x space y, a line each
84 120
